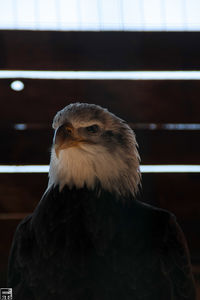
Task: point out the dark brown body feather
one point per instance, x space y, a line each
77 246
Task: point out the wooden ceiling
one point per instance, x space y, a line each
51 50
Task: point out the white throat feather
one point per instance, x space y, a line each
87 165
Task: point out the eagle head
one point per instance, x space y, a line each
91 147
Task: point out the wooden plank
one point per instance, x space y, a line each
143 101
32 146
25 147
20 193
169 146
50 50
176 192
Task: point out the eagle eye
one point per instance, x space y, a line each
93 128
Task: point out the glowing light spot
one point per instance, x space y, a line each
20 126
17 85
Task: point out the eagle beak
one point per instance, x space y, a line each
64 138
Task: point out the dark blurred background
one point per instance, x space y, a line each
140 39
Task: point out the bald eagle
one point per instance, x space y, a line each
89 238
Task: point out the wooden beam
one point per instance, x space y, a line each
143 101
155 146
25 147
20 193
51 50
169 147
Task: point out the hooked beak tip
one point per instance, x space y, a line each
57 150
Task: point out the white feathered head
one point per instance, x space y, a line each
92 145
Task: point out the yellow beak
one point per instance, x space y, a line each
64 138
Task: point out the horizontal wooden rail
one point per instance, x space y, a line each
154 101
46 50
20 193
33 146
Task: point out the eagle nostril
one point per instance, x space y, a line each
68 130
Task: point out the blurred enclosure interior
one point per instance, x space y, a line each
164 113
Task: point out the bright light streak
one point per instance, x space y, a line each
142 15
144 169
103 75
170 168
181 126
24 169
166 126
